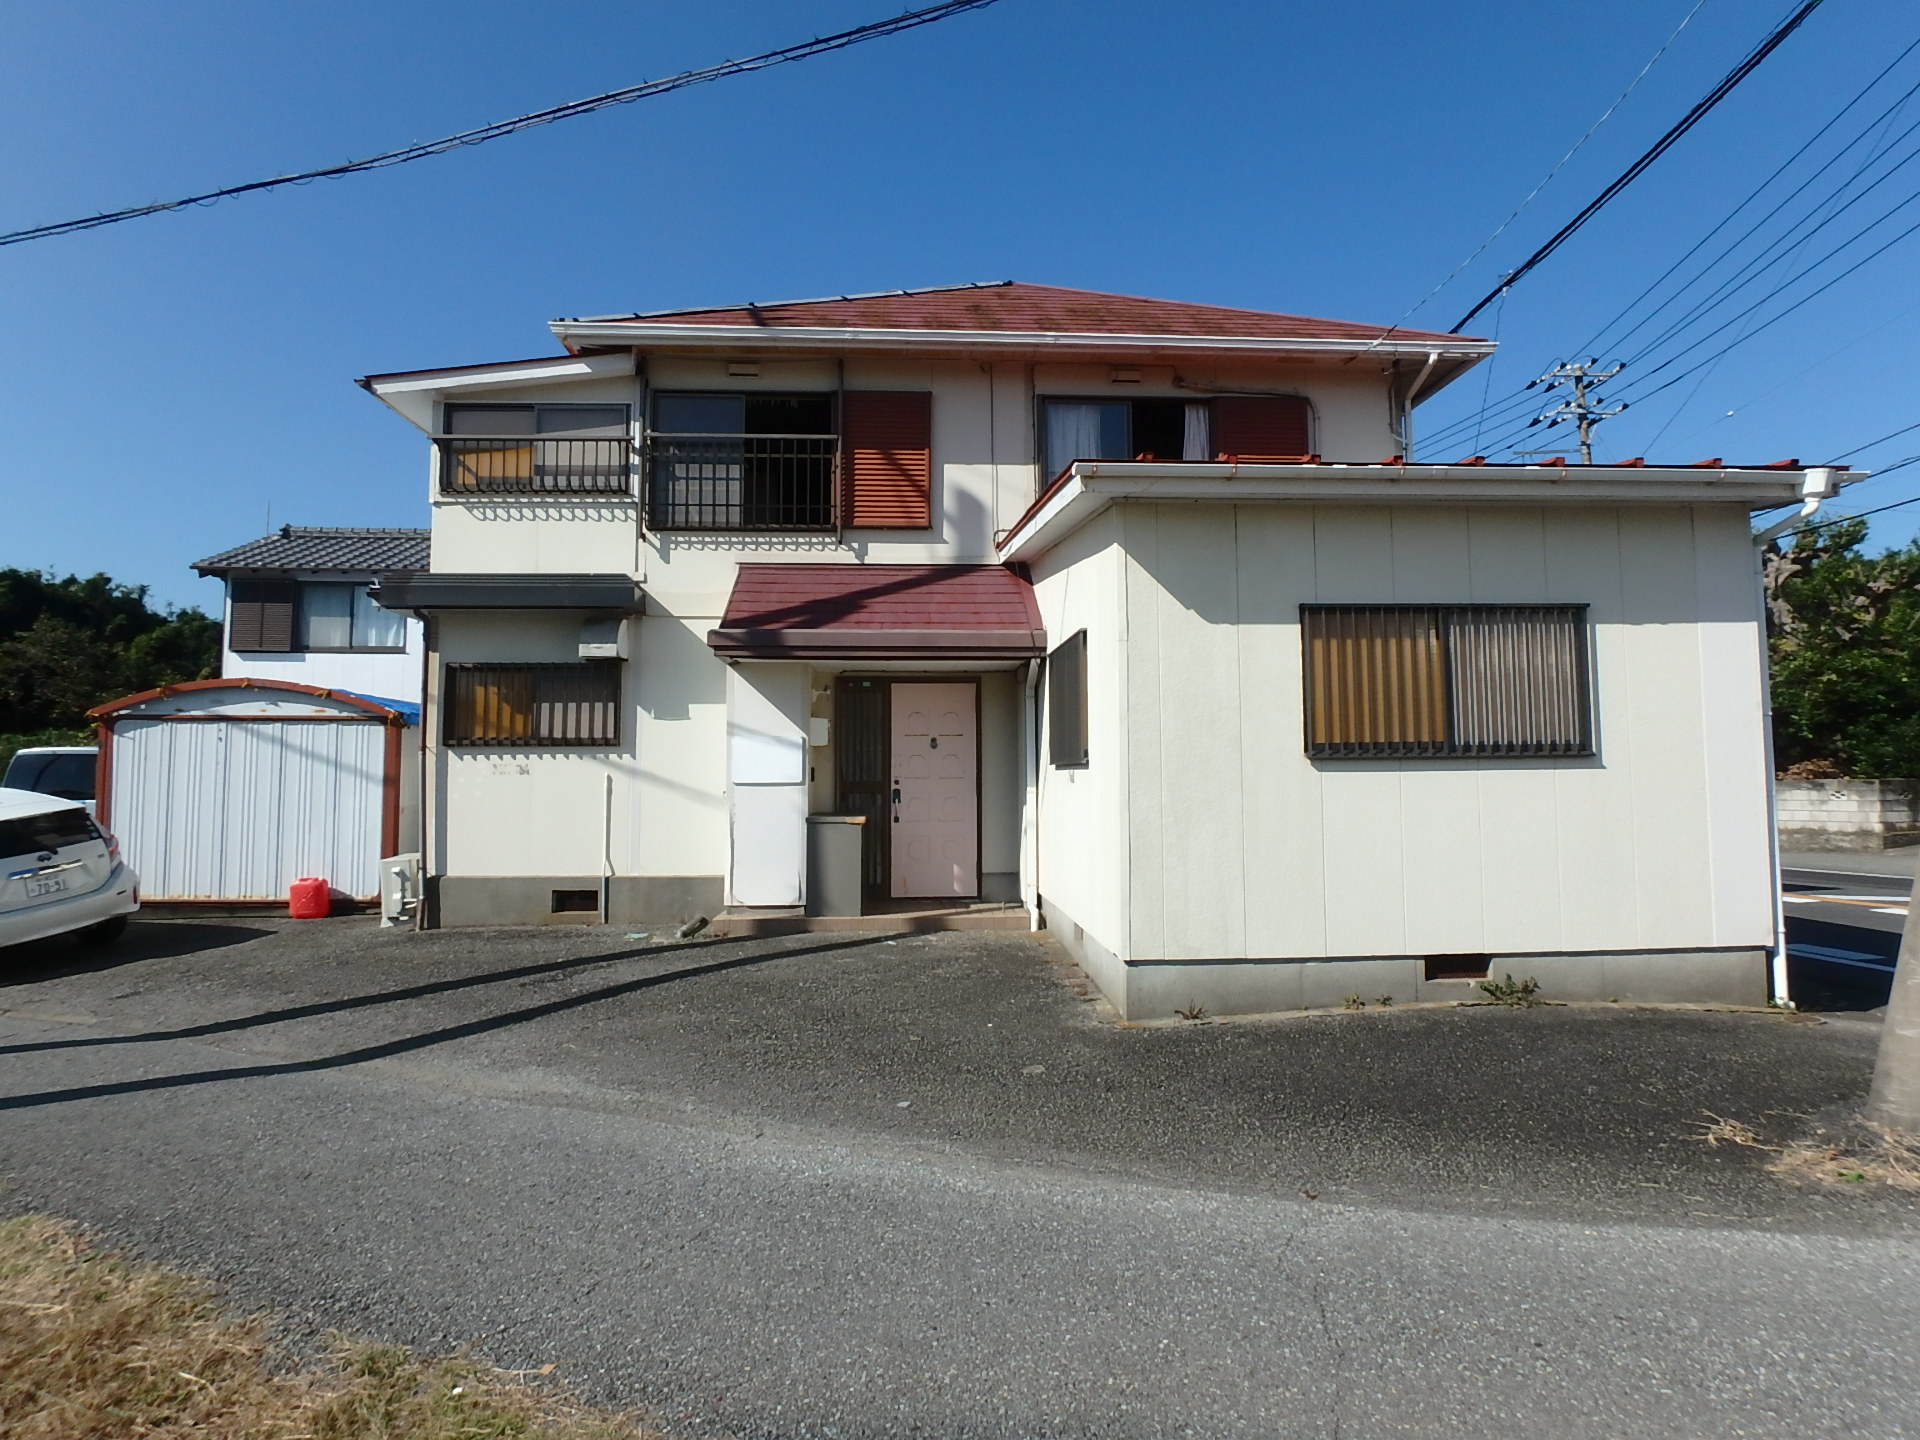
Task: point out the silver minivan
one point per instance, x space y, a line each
59 872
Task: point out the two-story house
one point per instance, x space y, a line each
297 608
1134 612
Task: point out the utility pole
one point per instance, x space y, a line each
1895 1098
1582 406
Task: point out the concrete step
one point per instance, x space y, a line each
741 924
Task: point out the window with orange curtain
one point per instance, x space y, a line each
533 705
1446 680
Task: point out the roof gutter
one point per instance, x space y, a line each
582 333
1090 486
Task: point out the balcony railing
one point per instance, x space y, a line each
535 465
742 482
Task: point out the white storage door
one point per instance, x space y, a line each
238 809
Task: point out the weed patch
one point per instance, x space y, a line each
93 1345
1870 1155
1508 991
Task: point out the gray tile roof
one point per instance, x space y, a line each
313 547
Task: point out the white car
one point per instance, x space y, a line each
63 770
59 873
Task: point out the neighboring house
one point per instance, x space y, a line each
1132 611
298 609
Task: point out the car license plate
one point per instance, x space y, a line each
46 884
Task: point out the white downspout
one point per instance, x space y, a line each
1817 486
1030 791
1406 405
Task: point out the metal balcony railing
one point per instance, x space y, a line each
535 465
742 482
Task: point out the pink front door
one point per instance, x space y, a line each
936 803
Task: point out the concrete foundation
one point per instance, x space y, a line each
1158 989
457 900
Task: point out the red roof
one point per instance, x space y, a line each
1016 307
879 612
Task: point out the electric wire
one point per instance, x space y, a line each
1778 250
1775 319
1659 147
1594 340
821 45
1890 435
1559 165
1519 399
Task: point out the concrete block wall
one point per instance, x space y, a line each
1847 814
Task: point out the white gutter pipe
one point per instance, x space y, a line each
1030 782
1816 487
1406 404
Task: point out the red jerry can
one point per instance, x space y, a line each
309 898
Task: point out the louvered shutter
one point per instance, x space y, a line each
260 616
1262 425
887 459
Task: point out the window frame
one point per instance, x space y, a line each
612 671
1450 747
503 406
1064 735
683 504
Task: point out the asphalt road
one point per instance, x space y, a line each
686 1174
1844 917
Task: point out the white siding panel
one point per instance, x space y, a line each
237 810
1285 878
1735 721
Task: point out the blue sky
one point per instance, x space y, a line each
173 382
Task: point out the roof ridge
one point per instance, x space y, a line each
810 300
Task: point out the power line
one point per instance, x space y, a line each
912 19
1891 434
1515 402
1533 194
1761 188
1633 172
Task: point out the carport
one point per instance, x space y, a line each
225 791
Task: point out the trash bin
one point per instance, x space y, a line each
833 864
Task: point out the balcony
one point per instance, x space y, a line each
742 482
530 465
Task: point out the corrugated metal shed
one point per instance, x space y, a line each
229 790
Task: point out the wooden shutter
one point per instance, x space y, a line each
1261 426
260 616
886 449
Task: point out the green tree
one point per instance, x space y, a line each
68 644
1844 640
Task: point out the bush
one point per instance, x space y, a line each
1844 642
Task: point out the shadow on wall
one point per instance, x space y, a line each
677 670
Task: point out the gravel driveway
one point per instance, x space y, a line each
862 1186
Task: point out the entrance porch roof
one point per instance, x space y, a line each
879 612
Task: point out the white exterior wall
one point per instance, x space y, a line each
984 464
541 811
382 674
1083 842
1242 846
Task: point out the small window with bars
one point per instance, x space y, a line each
1388 681
533 705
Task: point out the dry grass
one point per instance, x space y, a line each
93 1345
1872 1155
